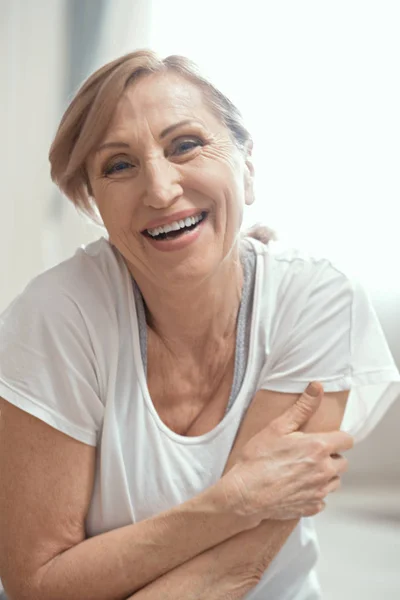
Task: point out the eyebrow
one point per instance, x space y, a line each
171 128
163 134
112 145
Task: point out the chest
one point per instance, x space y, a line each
190 397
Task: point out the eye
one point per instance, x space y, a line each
185 145
120 167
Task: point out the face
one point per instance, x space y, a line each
169 182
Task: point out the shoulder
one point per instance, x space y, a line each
280 258
293 274
92 266
81 287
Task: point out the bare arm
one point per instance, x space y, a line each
47 479
46 487
227 571
234 567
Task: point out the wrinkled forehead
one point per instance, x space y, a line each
160 100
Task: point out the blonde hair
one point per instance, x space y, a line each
88 116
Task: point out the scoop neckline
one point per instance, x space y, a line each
227 418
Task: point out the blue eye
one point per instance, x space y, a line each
118 167
186 146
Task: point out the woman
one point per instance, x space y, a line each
153 384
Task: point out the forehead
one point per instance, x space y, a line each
162 99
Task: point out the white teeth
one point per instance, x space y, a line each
175 226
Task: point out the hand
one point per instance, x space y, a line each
282 473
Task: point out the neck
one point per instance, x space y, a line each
190 317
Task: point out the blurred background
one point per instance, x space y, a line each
318 84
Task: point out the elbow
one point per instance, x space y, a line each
26 588
22 591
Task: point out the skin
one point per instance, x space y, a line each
193 551
146 175
200 578
200 285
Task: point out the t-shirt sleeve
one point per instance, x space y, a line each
325 329
47 362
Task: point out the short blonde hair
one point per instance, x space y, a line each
88 116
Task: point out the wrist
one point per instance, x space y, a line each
227 499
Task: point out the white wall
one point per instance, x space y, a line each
31 71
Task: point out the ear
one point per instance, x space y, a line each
249 173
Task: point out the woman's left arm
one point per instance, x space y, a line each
231 569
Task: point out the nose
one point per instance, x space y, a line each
162 183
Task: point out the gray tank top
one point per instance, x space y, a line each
248 259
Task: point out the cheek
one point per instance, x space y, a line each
115 202
217 176
219 161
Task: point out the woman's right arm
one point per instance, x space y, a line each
46 487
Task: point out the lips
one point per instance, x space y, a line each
168 239
178 216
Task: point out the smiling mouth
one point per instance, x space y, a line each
175 229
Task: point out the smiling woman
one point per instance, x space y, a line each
165 152
160 374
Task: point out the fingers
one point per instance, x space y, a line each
337 441
314 509
301 411
332 486
340 464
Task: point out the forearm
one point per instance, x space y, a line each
115 564
233 567
229 570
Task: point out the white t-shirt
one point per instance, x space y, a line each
70 355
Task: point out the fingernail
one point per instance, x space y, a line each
313 390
